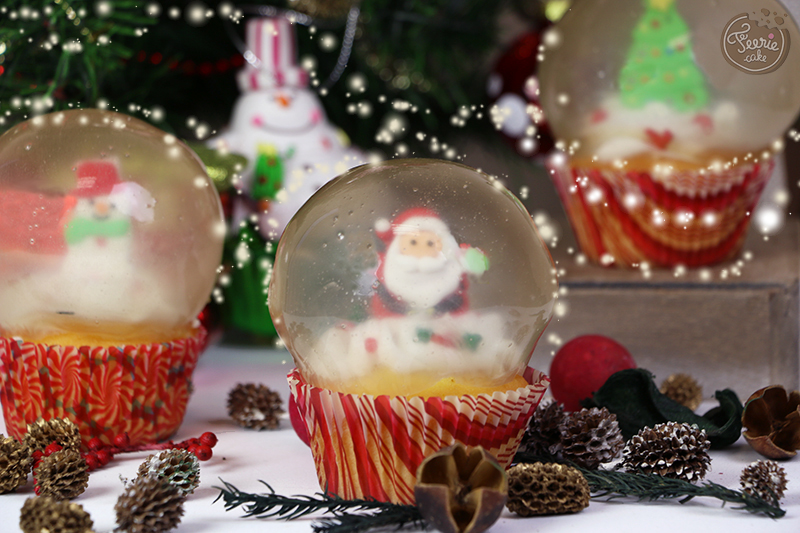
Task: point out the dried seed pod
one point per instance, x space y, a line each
546 488
255 406
771 419
543 430
62 475
673 450
149 505
764 479
42 513
590 437
683 389
460 491
179 467
15 463
43 433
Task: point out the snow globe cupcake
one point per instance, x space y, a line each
110 236
670 114
411 294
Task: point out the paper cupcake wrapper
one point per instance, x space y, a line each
371 446
142 390
686 218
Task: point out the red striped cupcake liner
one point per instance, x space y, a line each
371 446
142 390
688 218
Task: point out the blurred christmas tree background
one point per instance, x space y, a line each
415 66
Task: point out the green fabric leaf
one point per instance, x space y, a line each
634 398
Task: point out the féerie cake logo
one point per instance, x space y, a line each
756 42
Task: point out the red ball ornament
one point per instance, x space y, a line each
583 365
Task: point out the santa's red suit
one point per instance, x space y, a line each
419 267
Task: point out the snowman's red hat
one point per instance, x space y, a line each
272 42
96 178
413 219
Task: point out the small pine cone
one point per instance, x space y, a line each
43 513
179 467
254 406
672 450
149 505
546 488
15 463
543 430
683 389
42 433
590 437
62 475
764 479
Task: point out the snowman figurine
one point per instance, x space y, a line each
279 125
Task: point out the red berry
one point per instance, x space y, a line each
192 448
52 448
95 444
583 365
37 489
122 440
37 455
104 456
209 439
92 462
203 452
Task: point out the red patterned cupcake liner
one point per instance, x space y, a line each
371 446
142 390
687 218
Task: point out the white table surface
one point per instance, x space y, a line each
242 457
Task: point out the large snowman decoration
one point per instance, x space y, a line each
281 127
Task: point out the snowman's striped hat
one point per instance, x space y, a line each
271 56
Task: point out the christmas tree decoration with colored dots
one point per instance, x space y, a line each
391 293
669 123
111 233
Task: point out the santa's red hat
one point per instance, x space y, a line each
95 178
271 56
414 219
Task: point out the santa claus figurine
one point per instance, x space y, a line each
422 269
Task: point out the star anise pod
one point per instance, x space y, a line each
771 419
460 491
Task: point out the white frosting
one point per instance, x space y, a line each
616 132
342 353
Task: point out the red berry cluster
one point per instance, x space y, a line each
38 457
100 454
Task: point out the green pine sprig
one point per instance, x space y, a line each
349 515
650 487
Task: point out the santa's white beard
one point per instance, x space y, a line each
421 282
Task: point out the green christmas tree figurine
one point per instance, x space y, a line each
660 64
248 260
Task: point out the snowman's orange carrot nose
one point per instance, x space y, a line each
283 100
101 208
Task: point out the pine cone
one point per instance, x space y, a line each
543 430
42 433
254 406
683 389
546 488
149 505
764 479
42 513
672 450
63 475
15 463
590 437
179 467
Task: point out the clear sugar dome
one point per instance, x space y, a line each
396 276
110 230
686 82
